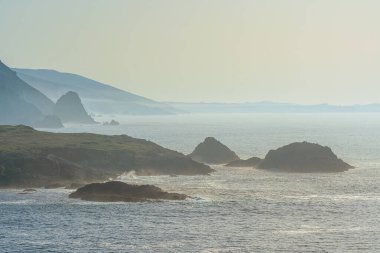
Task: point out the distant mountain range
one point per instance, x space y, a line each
96 97
28 95
20 103
270 107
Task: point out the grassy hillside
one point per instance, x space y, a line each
35 158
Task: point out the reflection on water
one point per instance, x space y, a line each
234 210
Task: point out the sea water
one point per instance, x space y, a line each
234 209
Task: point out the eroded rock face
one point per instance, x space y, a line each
303 157
212 151
69 109
251 162
119 191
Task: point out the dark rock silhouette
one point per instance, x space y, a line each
69 109
213 152
251 162
30 158
111 123
50 121
19 102
74 186
303 157
119 191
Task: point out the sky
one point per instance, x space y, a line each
298 51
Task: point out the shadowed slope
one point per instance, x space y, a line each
213 151
19 102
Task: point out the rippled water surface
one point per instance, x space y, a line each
233 210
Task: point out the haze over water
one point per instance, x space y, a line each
234 209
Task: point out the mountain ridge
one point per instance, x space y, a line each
98 97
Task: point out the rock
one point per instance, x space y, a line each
69 109
28 191
251 162
212 151
50 121
74 186
111 123
303 157
119 191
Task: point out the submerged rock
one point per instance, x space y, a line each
28 191
213 151
119 191
251 162
303 157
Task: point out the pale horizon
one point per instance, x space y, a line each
303 52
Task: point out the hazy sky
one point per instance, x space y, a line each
301 51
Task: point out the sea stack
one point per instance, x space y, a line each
119 191
303 157
212 151
69 109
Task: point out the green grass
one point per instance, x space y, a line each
23 139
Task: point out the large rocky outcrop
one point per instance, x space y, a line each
69 109
251 162
30 158
212 151
119 191
303 157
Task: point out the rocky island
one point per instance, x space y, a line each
212 151
31 158
251 162
303 157
119 191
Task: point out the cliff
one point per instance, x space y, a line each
19 102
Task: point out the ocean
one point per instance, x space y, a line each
234 209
